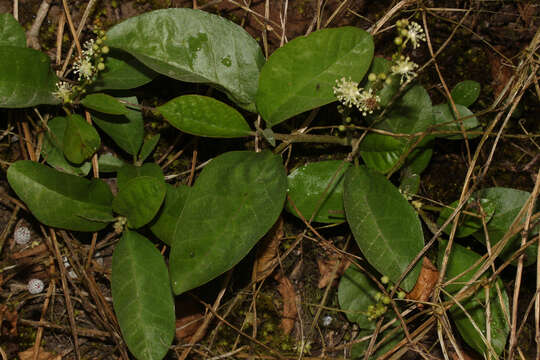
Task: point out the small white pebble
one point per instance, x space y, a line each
327 320
35 286
22 235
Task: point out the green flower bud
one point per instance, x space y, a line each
348 119
385 279
382 76
388 81
404 32
101 33
401 295
341 128
101 66
398 40
386 300
99 41
372 77
105 49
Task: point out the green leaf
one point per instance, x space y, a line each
81 140
127 130
384 224
194 46
53 145
129 172
356 292
142 297
416 162
148 146
26 78
58 199
318 185
11 32
139 200
104 103
174 203
459 261
122 72
234 202
507 202
109 163
443 114
468 224
204 116
411 114
300 76
466 92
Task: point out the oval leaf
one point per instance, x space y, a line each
384 224
11 32
148 146
122 72
460 261
318 185
109 163
175 200
61 200
356 293
139 200
301 75
466 92
104 103
468 224
235 201
204 116
53 149
444 115
126 130
142 297
26 78
194 46
507 202
81 140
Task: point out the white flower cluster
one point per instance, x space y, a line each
415 34
404 68
349 94
63 91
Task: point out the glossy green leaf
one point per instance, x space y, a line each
122 72
148 146
129 172
460 260
234 202
204 116
466 92
194 46
507 202
318 185
175 200
300 76
109 163
142 297
61 200
384 224
53 145
81 139
26 78
127 130
105 104
139 200
443 114
356 292
468 224
11 32
411 114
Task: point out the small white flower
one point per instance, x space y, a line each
367 102
35 286
415 34
84 68
63 91
405 68
347 91
22 235
88 48
327 320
